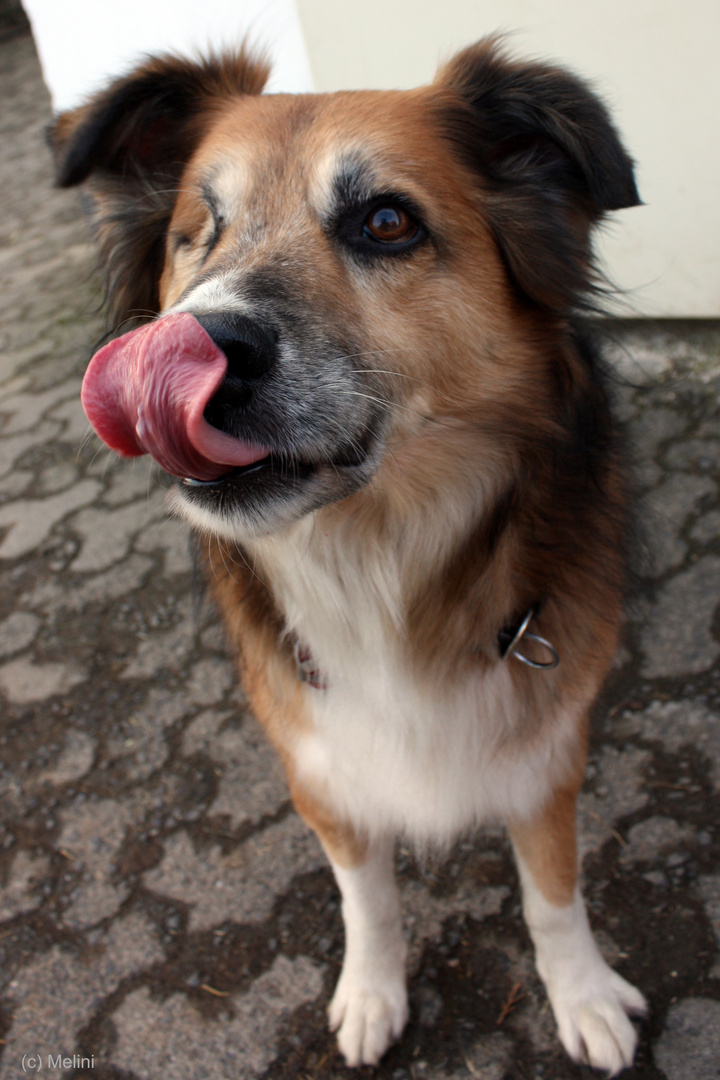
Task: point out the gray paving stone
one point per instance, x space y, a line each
666 510
140 745
425 914
107 535
655 838
707 527
17 632
678 638
24 680
31 521
52 596
252 781
678 724
163 649
172 539
56 994
618 790
689 1047
241 886
26 410
171 1038
75 760
90 839
19 894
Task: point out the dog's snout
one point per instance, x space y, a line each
250 346
251 350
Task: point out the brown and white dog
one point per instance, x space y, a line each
364 365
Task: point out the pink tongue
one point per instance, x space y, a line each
145 393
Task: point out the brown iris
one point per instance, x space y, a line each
390 225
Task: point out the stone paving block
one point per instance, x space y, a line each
170 1038
241 886
689 1047
26 410
52 596
140 745
107 535
655 838
90 839
163 649
172 539
25 680
252 782
13 448
75 760
679 724
19 894
618 790
678 638
31 521
424 914
17 632
56 995
666 510
707 527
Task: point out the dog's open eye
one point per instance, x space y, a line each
387 225
390 225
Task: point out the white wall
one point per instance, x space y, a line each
83 43
657 64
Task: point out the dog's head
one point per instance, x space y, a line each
358 270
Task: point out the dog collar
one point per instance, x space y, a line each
508 640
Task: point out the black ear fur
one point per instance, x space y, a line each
130 144
552 163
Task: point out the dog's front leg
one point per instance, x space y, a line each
369 1007
591 1002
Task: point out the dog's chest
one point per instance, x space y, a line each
389 746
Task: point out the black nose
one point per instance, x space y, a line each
251 350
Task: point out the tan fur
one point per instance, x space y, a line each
548 843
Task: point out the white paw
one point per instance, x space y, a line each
369 1014
592 1017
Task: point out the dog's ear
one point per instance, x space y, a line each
129 145
552 165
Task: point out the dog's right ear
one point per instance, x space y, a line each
129 145
144 122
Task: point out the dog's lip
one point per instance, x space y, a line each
241 470
289 468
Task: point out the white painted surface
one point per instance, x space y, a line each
656 63
83 43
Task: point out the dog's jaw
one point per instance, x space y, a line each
268 497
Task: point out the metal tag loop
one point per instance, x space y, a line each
522 632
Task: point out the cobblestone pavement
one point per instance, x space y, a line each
163 913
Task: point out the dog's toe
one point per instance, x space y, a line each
368 1022
596 1030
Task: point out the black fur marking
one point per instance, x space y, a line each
552 165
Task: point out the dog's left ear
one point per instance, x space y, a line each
551 161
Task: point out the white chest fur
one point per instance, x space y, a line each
390 748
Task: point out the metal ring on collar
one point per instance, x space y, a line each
522 632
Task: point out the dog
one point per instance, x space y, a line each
366 365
